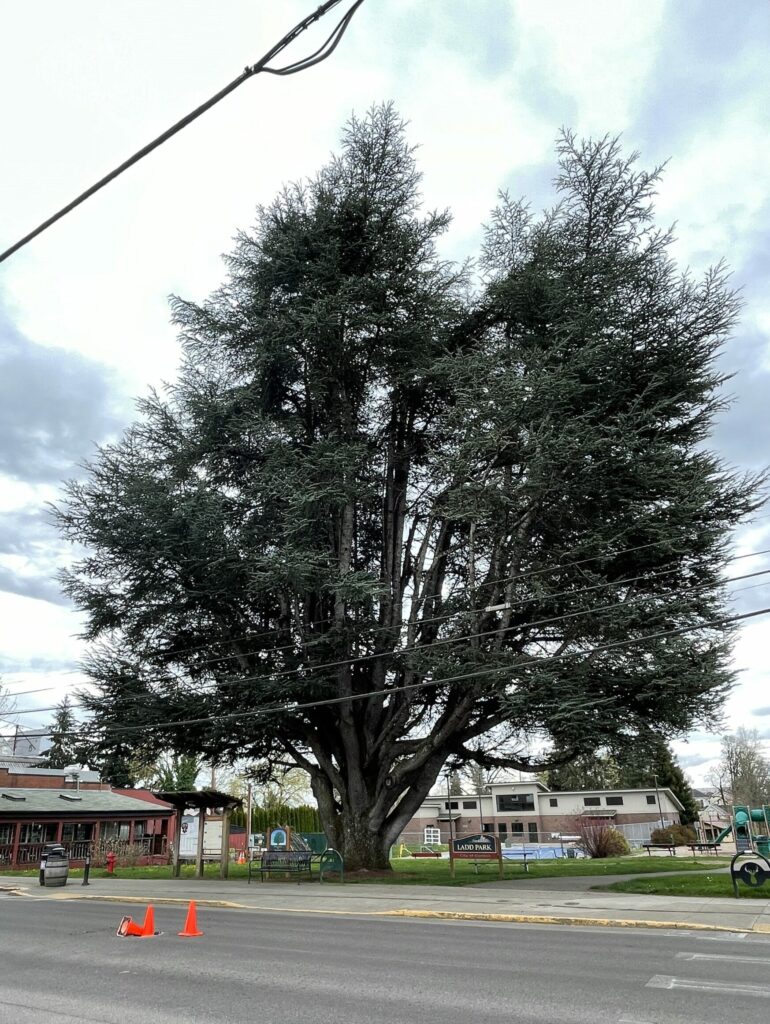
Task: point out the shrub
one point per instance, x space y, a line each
601 841
674 835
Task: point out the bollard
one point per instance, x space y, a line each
86 870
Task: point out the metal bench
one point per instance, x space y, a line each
282 862
297 862
704 848
649 847
330 862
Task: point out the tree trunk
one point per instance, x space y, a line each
363 849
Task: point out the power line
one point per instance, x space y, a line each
290 673
507 606
446 681
606 554
324 51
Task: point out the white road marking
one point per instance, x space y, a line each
727 937
725 988
724 956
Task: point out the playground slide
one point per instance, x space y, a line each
723 834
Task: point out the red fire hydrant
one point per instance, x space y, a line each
111 858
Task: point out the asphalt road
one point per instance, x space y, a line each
61 962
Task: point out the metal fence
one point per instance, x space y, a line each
426 839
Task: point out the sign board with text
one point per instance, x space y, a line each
480 846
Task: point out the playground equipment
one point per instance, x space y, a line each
750 864
747 837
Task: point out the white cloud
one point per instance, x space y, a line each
486 94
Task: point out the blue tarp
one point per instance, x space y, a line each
539 852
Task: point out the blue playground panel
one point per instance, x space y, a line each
539 852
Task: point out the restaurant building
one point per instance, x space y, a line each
45 805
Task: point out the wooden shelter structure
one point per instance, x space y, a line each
202 800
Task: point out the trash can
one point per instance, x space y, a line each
762 844
55 866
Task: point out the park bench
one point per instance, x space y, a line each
671 847
297 862
282 862
426 851
704 848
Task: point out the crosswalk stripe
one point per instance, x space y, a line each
725 956
734 988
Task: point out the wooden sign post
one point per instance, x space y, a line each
480 846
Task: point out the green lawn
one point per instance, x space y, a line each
418 871
684 885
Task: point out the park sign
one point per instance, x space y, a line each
480 846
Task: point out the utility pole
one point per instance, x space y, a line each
248 820
657 794
449 805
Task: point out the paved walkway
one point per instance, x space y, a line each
582 883
488 901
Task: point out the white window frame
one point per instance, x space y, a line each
431 835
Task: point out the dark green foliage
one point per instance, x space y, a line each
655 760
302 819
62 751
631 766
176 773
675 835
363 459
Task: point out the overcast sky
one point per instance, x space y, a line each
486 85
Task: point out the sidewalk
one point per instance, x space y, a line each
488 901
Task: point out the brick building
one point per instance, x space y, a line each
530 812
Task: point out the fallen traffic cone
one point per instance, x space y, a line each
148 928
128 927
190 930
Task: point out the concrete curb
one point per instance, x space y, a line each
599 922
436 915
184 901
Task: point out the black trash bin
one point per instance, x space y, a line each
55 865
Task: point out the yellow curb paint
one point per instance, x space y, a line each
601 922
223 904
436 915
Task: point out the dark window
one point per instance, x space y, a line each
34 832
450 805
517 827
516 802
6 834
502 828
650 798
73 832
592 801
553 802
469 805
487 827
614 801
532 826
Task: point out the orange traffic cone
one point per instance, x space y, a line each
190 930
128 927
242 858
148 928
